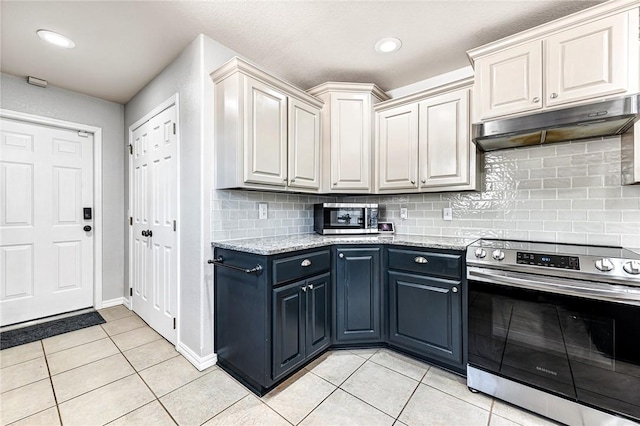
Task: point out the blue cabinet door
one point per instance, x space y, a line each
358 294
288 328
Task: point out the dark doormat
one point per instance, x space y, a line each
36 332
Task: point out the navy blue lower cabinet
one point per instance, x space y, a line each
301 326
425 315
357 296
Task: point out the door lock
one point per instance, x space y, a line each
87 228
147 233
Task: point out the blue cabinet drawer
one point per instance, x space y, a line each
301 266
426 263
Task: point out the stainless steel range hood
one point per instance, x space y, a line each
603 118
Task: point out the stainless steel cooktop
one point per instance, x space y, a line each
593 263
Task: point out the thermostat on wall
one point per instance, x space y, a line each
385 227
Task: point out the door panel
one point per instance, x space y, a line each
426 315
304 145
358 298
588 61
46 178
288 328
398 147
318 331
154 199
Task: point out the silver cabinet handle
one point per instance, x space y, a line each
454 289
306 263
304 288
341 255
536 100
554 95
421 259
310 286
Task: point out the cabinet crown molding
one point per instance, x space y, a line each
333 86
237 64
588 15
466 83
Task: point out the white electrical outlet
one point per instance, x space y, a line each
262 210
404 214
447 213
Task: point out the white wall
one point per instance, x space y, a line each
52 102
188 75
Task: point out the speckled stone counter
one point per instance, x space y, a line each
288 243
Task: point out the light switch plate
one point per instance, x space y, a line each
447 213
404 214
262 210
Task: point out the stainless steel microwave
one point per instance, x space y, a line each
345 218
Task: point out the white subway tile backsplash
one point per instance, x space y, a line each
567 192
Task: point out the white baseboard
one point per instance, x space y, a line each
115 302
126 302
201 363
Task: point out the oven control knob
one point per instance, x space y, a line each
604 265
632 267
498 254
480 252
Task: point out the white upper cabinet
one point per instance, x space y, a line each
304 145
267 132
397 142
588 55
588 61
510 81
423 141
444 140
265 129
347 136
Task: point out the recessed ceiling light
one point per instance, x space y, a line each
56 39
388 45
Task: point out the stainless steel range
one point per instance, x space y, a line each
555 328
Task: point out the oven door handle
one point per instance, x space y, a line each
585 289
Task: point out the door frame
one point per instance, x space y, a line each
97 185
171 101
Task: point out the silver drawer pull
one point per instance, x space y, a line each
306 262
421 259
454 289
310 286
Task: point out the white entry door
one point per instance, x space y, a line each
46 257
154 208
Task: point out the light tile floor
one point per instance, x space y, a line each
124 373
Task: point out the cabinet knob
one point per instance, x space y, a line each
454 289
310 286
420 259
554 95
306 262
293 180
536 100
423 181
304 288
413 182
284 179
341 255
335 183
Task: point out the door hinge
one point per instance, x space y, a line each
130 149
83 134
174 323
130 291
130 221
174 226
174 128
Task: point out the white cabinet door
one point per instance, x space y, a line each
510 81
444 140
304 145
397 143
588 61
351 143
265 134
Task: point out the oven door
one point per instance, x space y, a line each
578 340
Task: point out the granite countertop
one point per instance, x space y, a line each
288 243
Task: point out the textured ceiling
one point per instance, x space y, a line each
121 45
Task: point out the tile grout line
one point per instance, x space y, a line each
53 390
397 419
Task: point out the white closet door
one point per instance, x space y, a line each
154 195
46 258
